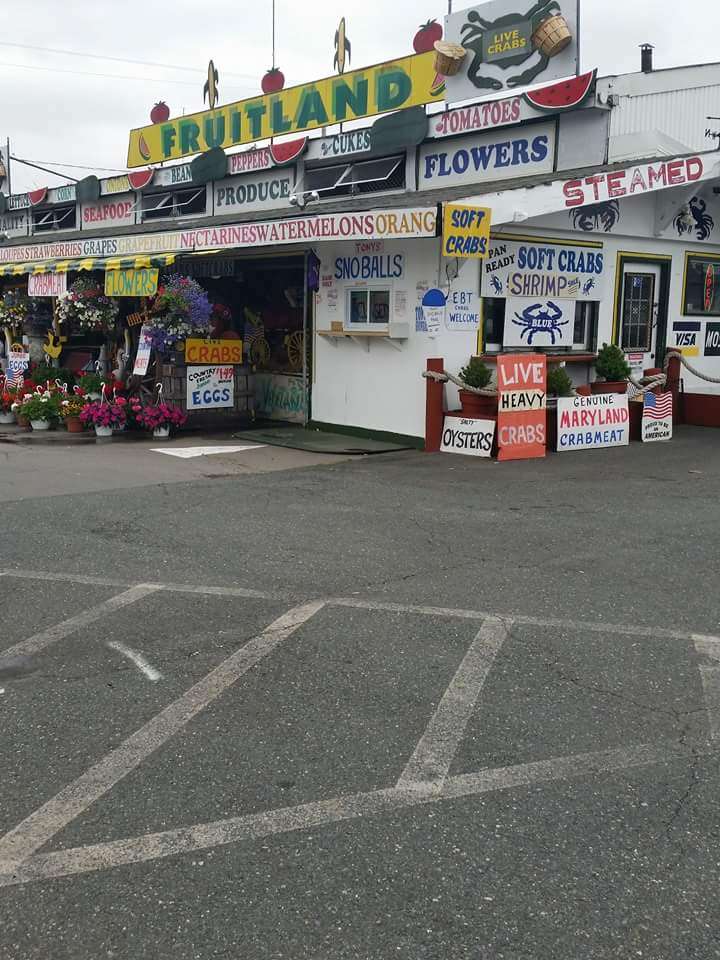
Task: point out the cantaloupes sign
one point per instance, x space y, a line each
407 82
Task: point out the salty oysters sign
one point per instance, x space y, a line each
541 270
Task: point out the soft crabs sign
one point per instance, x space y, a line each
522 385
542 269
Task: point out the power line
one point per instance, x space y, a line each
100 56
76 166
106 76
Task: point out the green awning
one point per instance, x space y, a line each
86 263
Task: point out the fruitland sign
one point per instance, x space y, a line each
408 82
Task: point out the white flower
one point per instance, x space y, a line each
44 399
66 403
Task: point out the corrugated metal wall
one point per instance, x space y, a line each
680 114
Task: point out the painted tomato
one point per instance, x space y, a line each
160 112
426 36
273 81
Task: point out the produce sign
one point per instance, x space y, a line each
598 421
213 351
512 44
141 282
522 385
406 82
474 438
541 270
466 231
210 388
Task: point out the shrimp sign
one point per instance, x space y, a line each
522 385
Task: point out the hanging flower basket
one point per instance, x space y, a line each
159 418
181 309
17 309
86 309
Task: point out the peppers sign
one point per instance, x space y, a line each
466 231
140 282
213 351
394 85
522 385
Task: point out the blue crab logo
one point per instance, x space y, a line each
596 216
496 285
540 318
693 217
588 285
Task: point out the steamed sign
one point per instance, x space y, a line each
542 270
407 82
512 44
487 156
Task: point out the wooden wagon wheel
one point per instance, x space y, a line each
295 344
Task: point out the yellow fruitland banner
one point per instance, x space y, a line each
408 82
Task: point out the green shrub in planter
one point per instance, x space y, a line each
559 383
611 363
476 373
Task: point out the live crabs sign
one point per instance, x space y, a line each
522 384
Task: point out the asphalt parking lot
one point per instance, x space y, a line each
405 706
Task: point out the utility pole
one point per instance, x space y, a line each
7 166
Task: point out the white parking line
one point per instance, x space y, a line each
138 659
434 753
710 678
39 641
203 836
28 836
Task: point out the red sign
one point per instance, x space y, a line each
522 384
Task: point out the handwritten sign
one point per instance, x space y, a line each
602 420
213 351
522 385
657 418
473 438
466 231
462 310
47 284
142 358
516 268
141 282
210 388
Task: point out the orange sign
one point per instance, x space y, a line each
219 352
522 384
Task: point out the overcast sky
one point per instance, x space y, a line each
52 112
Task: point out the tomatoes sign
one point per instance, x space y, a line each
522 385
466 231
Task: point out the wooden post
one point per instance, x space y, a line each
673 384
434 413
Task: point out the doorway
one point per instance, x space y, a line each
641 308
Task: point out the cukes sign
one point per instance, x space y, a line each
408 82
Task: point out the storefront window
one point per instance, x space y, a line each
179 203
702 287
368 307
56 218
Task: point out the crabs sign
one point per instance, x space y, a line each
512 44
466 231
522 385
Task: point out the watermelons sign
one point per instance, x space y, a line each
408 82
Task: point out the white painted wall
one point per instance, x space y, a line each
374 384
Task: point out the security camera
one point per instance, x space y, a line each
293 200
313 196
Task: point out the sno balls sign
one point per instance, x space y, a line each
522 385
474 438
602 420
511 45
466 231
210 388
540 270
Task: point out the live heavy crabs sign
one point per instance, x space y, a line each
522 385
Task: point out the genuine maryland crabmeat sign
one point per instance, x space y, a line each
518 268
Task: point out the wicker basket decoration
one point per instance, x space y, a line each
552 35
448 58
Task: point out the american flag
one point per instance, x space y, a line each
658 407
14 378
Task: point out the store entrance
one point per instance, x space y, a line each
264 301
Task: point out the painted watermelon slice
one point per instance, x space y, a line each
283 153
143 148
140 178
37 196
565 95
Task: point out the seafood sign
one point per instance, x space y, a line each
542 270
598 421
538 323
522 385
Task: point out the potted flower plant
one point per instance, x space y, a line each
559 384
41 408
181 309
7 400
85 308
71 407
159 418
91 385
477 405
614 369
103 415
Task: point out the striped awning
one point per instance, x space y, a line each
86 263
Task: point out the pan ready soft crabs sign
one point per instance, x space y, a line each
511 44
542 270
